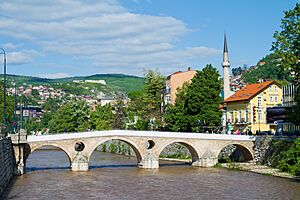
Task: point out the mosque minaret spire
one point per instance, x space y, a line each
226 66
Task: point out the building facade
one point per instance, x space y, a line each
246 109
174 82
288 96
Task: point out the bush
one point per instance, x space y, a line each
290 159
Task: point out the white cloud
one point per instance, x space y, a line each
54 76
105 33
9 46
21 57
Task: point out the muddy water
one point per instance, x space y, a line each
117 177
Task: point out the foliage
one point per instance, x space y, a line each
52 104
198 103
269 70
287 43
9 107
237 71
175 116
290 159
32 125
115 82
71 117
119 113
287 48
102 118
147 105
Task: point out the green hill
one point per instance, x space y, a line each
114 82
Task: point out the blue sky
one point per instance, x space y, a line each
59 38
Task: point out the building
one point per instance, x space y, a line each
246 109
175 81
288 101
29 111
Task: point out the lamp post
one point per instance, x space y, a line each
15 108
4 88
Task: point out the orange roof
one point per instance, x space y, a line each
249 91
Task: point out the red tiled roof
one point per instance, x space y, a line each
249 91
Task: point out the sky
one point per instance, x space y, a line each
62 38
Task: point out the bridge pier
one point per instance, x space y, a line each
21 151
149 162
208 159
80 162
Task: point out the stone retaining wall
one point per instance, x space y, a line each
266 148
6 163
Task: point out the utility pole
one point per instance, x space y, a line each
4 89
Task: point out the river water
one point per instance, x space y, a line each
117 177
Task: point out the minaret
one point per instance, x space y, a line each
226 66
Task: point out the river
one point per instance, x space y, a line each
116 177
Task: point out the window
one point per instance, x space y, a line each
271 99
276 99
259 102
270 88
276 88
240 116
259 114
246 115
231 117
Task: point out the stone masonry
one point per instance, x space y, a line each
147 146
6 163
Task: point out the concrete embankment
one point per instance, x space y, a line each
6 163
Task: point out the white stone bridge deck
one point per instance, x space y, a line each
147 145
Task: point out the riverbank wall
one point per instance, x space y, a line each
6 163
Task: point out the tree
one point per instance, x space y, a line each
287 43
71 117
198 103
287 48
9 107
120 113
268 69
102 118
175 116
147 106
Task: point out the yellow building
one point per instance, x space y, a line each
246 109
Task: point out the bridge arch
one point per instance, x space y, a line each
192 149
247 153
29 149
131 143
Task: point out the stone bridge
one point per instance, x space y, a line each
147 145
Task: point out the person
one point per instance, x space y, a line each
238 132
250 132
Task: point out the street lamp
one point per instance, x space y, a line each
4 87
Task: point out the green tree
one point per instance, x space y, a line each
198 103
120 113
175 116
287 48
9 108
287 42
71 117
102 118
147 106
52 104
270 70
